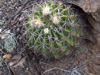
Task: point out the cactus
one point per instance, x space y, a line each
53 29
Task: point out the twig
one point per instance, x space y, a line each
46 64
55 68
91 59
20 8
17 13
8 68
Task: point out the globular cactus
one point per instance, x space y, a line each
53 29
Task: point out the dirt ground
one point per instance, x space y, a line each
13 15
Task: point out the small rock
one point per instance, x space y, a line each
1 23
21 19
4 36
1 72
7 57
8 31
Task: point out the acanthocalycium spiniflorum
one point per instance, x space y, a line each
53 29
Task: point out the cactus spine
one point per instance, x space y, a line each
53 30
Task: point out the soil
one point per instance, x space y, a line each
14 15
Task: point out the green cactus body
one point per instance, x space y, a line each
53 30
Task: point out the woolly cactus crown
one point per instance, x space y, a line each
53 29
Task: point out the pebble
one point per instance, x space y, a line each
7 57
1 72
